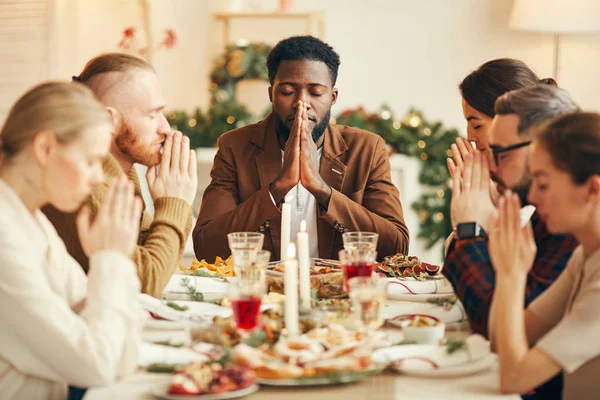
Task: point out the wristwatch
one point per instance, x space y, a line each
470 230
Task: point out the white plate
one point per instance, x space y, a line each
454 365
217 396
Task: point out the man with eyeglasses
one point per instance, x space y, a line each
519 115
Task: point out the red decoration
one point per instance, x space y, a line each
128 40
170 39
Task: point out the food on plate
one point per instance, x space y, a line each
400 265
223 333
319 352
326 280
274 298
431 269
423 329
219 268
334 311
298 350
200 378
423 321
315 270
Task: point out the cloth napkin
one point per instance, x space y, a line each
211 288
395 309
197 311
476 348
149 353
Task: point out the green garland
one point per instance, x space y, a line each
413 135
238 63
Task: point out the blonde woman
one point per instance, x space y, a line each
560 330
60 327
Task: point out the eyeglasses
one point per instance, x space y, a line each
496 150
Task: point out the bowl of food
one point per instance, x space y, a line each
423 329
326 278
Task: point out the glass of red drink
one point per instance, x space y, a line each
246 298
357 262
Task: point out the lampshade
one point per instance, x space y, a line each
556 16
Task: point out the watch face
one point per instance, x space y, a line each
466 230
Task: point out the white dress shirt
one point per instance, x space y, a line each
60 327
304 207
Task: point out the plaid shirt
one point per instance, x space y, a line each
469 268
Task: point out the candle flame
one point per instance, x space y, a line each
303 226
291 251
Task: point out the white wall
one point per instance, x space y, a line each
402 52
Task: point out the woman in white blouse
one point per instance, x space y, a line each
60 327
560 330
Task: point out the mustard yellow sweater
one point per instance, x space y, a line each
162 238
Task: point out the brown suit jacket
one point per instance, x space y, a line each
248 159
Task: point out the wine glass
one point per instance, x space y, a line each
250 265
357 262
360 240
245 240
368 295
246 298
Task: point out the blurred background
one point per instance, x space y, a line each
401 63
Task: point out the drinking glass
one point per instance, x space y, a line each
246 298
246 240
357 262
250 265
360 240
368 295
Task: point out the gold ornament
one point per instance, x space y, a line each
220 63
221 95
440 194
439 216
423 215
413 120
449 153
421 144
235 59
396 125
192 123
427 132
423 156
230 119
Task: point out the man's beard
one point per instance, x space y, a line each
319 129
522 188
128 144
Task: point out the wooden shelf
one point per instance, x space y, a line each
315 21
274 15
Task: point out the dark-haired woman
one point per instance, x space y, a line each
560 330
481 88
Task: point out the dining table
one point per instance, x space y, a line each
387 385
